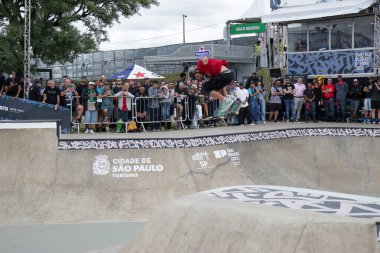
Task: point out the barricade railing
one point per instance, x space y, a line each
158 112
201 110
106 113
149 112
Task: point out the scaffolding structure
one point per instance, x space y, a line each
27 49
278 41
377 40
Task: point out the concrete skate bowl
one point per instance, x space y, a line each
257 218
45 178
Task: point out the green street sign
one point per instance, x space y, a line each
248 28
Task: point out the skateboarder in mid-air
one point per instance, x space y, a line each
219 77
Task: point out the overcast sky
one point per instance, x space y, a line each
209 16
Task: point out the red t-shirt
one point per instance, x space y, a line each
212 68
329 94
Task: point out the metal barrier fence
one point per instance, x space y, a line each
101 114
153 113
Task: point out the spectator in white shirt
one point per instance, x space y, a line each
242 96
298 97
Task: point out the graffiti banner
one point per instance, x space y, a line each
331 63
24 109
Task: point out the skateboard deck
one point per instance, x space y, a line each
232 110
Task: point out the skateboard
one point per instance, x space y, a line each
232 110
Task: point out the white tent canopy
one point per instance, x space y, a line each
257 9
316 10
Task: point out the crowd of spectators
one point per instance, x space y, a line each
339 101
101 105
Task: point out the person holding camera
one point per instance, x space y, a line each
70 99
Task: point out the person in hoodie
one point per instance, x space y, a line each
341 92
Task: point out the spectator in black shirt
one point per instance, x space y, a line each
318 97
356 94
252 78
146 84
367 90
35 90
309 97
14 85
2 81
133 88
181 93
52 94
182 78
70 99
80 87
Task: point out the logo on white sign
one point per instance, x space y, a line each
202 157
231 153
101 165
124 167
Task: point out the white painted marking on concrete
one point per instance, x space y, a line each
29 125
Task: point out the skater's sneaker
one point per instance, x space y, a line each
226 104
91 131
107 129
87 131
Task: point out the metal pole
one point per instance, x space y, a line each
269 45
183 22
27 21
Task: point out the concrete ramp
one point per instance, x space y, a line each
253 219
45 178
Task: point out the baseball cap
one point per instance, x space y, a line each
91 83
355 80
193 86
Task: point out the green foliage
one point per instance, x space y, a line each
55 36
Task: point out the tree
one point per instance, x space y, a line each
55 36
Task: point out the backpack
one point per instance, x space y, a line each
132 126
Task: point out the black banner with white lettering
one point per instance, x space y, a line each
24 109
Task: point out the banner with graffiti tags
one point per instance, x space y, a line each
331 63
23 109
